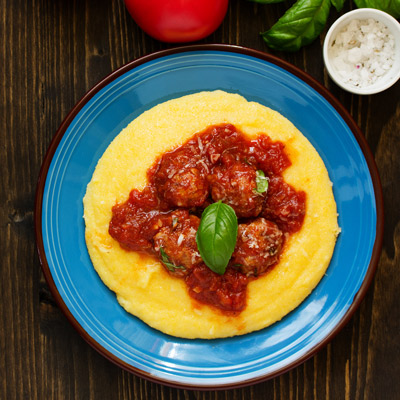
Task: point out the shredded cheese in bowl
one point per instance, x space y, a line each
362 51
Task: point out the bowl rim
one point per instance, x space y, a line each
346 18
308 79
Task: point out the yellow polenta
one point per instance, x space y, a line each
141 284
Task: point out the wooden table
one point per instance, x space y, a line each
51 53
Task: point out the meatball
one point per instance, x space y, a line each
284 205
234 183
258 246
135 222
128 219
181 179
176 245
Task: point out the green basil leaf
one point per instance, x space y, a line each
166 261
392 7
216 236
299 26
261 181
338 4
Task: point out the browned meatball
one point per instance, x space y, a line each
176 246
181 179
135 222
258 246
234 183
285 205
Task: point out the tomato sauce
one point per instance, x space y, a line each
220 163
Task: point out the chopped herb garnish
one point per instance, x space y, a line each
261 181
246 161
167 262
175 221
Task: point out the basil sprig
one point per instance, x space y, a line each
305 20
261 181
390 6
167 262
216 236
338 4
300 25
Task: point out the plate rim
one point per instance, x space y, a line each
302 75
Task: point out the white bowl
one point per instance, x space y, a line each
383 82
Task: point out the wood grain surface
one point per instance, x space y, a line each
51 53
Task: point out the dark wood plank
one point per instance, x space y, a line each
52 52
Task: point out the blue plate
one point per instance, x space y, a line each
93 309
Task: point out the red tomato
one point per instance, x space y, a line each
178 20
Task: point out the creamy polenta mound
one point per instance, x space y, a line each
142 285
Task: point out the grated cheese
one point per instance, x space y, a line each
363 52
180 239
